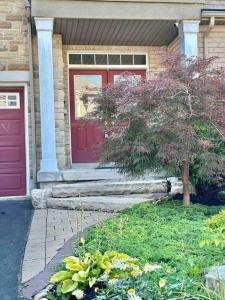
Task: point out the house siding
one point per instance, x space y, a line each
216 44
13 36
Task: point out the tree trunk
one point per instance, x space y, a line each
185 180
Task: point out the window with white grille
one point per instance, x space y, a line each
107 59
9 100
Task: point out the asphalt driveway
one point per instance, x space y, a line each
15 219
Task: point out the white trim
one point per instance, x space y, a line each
68 86
26 115
17 198
44 24
26 133
109 67
14 76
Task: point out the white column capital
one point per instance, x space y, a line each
44 24
188 26
188 33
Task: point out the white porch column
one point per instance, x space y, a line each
188 32
44 27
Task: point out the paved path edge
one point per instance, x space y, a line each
41 280
20 286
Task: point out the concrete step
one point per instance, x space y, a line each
105 188
102 203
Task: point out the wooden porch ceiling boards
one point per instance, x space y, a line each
116 32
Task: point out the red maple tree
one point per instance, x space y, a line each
167 122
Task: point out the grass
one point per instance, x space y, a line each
164 233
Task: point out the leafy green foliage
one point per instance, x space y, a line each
198 170
217 221
81 273
214 231
165 234
147 287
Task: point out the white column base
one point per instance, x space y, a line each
49 165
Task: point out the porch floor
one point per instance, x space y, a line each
91 172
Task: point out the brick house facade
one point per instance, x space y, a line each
36 41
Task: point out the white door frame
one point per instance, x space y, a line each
26 125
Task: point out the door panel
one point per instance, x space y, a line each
12 142
86 134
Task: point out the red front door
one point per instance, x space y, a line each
12 142
87 136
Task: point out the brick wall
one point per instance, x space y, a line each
13 36
174 46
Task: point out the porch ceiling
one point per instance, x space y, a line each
116 32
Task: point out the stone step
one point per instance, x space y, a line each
105 188
102 203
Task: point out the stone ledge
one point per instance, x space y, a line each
103 203
49 176
89 173
109 188
215 279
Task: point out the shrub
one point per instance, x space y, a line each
216 221
214 230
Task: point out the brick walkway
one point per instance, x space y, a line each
50 230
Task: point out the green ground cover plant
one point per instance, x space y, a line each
165 239
162 232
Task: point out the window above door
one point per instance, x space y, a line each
108 60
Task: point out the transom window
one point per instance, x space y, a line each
9 100
106 59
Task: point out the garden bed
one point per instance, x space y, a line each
165 235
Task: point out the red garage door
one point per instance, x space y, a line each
12 142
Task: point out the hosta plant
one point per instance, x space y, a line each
81 274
